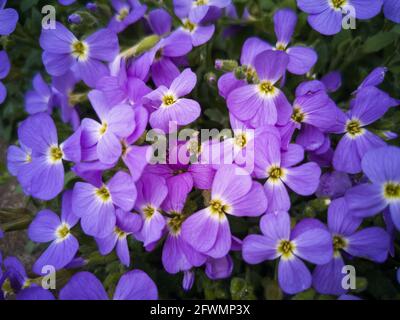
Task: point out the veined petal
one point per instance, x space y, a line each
258 248
136 285
365 200
43 227
83 286
303 179
293 275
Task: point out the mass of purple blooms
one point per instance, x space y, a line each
302 145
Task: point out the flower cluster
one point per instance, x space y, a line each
300 145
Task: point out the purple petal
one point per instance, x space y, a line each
152 229
346 157
251 48
136 159
332 81
123 252
202 34
274 70
285 21
57 40
340 221
4 64
164 71
103 45
121 120
227 83
327 22
382 164
293 155
35 293
219 268
177 44
253 204
258 248
8 21
160 21
173 255
370 243
395 214
391 9
303 179
91 71
301 59
313 6
184 83
136 285
278 197
327 278
293 275
3 93
43 227
57 64
366 9
276 226
109 148
365 200
71 147
83 286
123 190
58 254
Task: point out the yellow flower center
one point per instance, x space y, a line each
280 46
149 211
168 100
353 128
175 223
267 88
189 25
103 193
122 14
56 154
297 115
62 231
337 4
80 50
103 128
286 248
241 140
201 2
28 158
391 191
339 243
275 173
120 234
218 208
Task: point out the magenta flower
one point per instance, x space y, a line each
369 105
47 226
105 137
64 52
171 108
370 243
263 103
133 285
96 205
233 192
382 168
279 170
309 241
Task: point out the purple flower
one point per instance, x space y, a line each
160 21
325 16
301 59
332 81
152 190
370 243
171 108
38 163
35 293
127 13
382 167
4 70
309 240
64 52
391 9
133 285
251 48
63 90
374 79
370 105
127 224
160 57
8 19
233 192
66 2
279 170
263 103
312 114
197 9
115 124
40 99
333 185
48 227
177 254
96 205
74 18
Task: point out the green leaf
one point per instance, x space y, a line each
379 41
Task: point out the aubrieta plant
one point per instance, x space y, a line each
218 149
